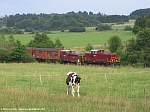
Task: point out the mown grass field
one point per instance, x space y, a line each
103 89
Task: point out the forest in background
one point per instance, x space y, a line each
51 22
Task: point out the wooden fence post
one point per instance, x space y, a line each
105 77
145 96
6 82
41 79
30 85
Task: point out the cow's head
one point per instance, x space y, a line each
75 79
72 78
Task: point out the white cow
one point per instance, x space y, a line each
73 81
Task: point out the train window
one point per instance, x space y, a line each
101 51
94 52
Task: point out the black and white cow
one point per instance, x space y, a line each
73 82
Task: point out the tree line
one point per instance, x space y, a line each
139 13
69 21
54 21
45 22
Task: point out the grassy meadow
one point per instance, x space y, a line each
42 87
71 40
78 41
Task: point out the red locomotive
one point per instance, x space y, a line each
100 57
69 56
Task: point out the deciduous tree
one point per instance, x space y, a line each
58 44
41 41
114 43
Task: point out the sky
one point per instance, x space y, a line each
109 7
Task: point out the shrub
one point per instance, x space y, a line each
28 29
77 29
21 54
114 43
5 55
128 28
102 27
88 47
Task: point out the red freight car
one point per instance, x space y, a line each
66 56
41 54
100 57
69 56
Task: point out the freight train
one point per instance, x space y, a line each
69 56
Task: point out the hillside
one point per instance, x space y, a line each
140 12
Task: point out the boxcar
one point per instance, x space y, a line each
41 54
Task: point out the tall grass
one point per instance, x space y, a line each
126 89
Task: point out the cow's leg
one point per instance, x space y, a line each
73 91
78 90
67 89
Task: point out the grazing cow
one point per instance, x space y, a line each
73 81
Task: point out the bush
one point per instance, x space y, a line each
102 27
138 65
28 29
77 29
21 54
88 47
41 41
6 30
59 61
48 60
128 28
5 55
16 31
114 43
11 31
62 30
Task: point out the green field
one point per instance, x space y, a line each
70 40
103 89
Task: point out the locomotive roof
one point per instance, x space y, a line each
67 50
95 50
